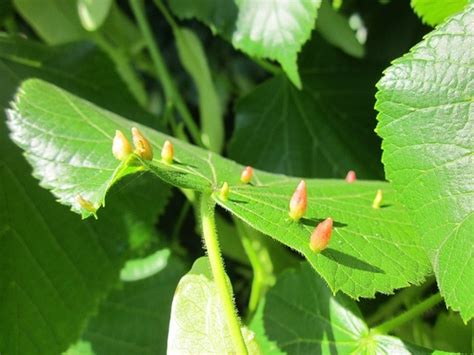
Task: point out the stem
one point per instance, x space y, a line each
412 313
261 263
167 82
267 66
218 273
123 68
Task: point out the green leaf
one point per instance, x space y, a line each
134 318
433 12
219 15
93 13
323 130
55 268
425 101
335 29
193 58
197 323
68 142
276 30
58 22
301 316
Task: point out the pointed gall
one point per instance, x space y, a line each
224 192
121 147
351 176
85 204
142 145
377 200
167 152
246 175
321 236
298 202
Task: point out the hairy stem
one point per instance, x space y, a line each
166 80
412 313
218 273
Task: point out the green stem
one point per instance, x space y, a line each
267 66
261 263
167 82
218 273
123 68
412 313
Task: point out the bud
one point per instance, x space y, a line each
298 202
85 204
121 147
377 200
224 192
142 145
351 176
246 175
167 152
321 236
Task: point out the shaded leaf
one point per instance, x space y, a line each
193 58
134 318
300 315
276 30
353 263
425 101
323 130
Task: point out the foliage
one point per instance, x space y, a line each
285 87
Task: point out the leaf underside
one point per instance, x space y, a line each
68 142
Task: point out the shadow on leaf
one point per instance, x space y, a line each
350 261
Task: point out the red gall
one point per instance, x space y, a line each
298 202
351 176
378 199
246 175
167 152
321 236
142 145
121 147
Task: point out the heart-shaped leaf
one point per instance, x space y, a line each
69 147
426 120
299 315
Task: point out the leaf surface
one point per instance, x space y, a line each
300 316
433 12
276 30
93 13
55 268
69 147
198 324
426 120
323 130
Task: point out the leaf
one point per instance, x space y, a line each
275 30
335 29
198 324
51 124
323 130
300 316
46 17
425 101
55 268
134 318
193 58
219 15
433 12
93 13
